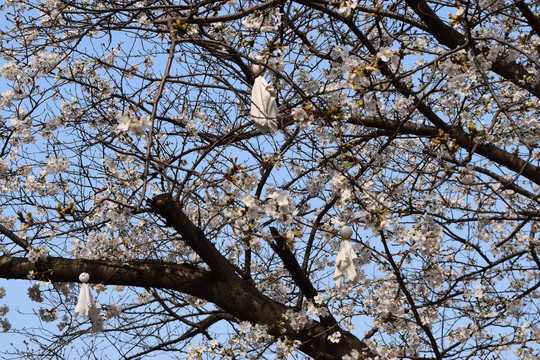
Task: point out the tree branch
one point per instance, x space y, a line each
221 18
452 38
236 296
299 276
17 240
171 211
532 19
463 139
243 300
410 299
173 276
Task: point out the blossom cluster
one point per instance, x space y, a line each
113 310
263 21
427 148
127 122
6 325
35 254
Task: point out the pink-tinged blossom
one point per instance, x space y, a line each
298 114
297 319
389 54
98 323
346 6
281 207
43 63
124 123
34 254
316 308
8 97
285 347
6 325
354 355
281 198
340 186
31 275
4 309
40 186
141 125
144 298
264 21
63 287
11 71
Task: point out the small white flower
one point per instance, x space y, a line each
146 121
123 123
298 114
31 275
34 254
335 337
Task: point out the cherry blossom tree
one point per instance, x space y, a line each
128 152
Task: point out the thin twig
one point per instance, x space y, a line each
153 115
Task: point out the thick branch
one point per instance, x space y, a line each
392 126
489 151
463 139
141 273
282 249
235 296
171 211
17 240
532 19
299 276
243 300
